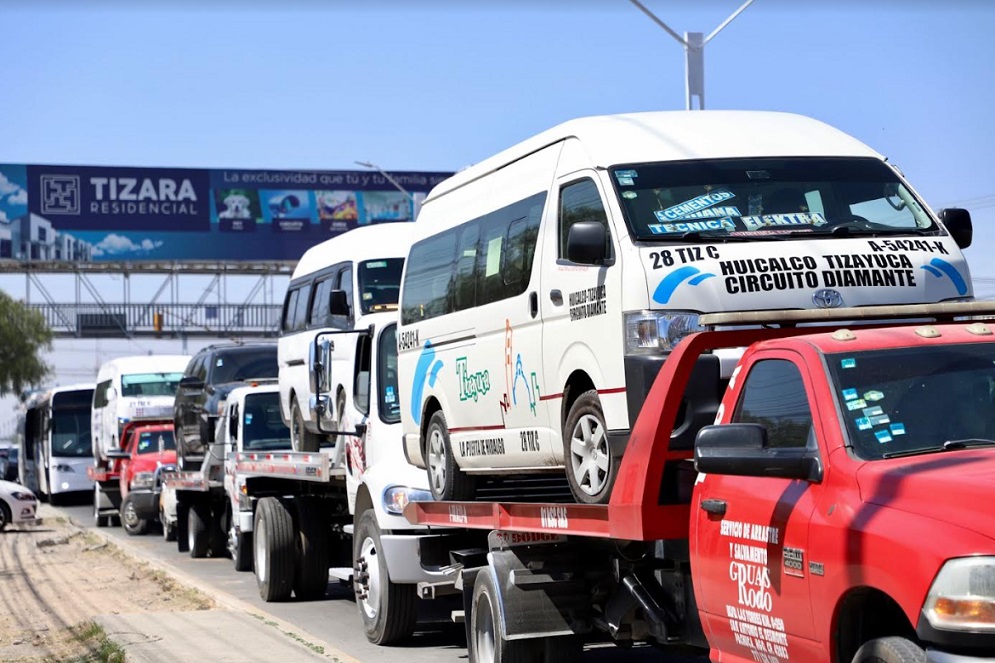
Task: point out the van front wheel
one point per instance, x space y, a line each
591 470
445 478
300 437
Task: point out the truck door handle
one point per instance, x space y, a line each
533 304
718 507
556 297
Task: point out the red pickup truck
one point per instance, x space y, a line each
149 448
835 511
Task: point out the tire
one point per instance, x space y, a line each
5 516
388 610
486 643
98 520
313 532
590 468
132 524
274 552
889 650
446 480
217 540
168 530
198 537
301 439
182 528
241 553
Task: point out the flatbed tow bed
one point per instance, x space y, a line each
534 576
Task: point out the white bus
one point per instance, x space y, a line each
334 285
54 442
129 389
547 283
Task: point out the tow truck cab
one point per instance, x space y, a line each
833 512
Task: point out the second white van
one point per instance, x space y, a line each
334 285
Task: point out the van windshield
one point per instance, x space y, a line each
767 198
150 384
379 284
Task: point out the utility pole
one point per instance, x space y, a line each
694 53
397 185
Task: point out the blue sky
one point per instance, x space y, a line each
442 84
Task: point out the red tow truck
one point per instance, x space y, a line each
828 504
106 474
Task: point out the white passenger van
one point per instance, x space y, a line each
334 285
547 283
59 441
130 388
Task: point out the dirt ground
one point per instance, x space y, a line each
55 577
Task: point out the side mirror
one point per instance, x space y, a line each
338 304
743 450
111 393
191 382
586 242
233 423
958 223
118 454
320 364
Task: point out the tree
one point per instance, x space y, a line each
23 335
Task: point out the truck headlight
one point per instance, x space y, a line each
395 498
962 597
23 496
142 480
657 332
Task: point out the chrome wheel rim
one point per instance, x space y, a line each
259 539
437 460
130 516
371 585
589 457
484 632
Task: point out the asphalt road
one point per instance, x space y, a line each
334 619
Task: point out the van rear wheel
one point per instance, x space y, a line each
591 470
445 478
300 437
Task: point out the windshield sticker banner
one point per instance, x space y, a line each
626 177
692 226
768 220
88 214
694 205
713 213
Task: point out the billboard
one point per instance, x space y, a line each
112 214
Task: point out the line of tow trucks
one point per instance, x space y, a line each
759 520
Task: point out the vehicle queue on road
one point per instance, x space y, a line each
521 327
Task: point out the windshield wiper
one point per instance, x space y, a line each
949 445
851 231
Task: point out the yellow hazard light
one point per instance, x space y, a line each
971 609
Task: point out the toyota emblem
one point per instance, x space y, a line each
827 298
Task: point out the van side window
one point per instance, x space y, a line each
581 201
465 283
289 308
774 395
319 303
301 310
522 235
100 394
426 284
490 285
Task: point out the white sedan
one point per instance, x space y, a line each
17 504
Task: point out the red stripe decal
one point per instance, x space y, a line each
472 428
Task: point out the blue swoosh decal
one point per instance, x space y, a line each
670 282
933 270
952 272
698 279
418 384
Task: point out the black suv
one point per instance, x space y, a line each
211 374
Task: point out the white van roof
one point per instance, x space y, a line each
145 363
72 387
380 240
677 136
